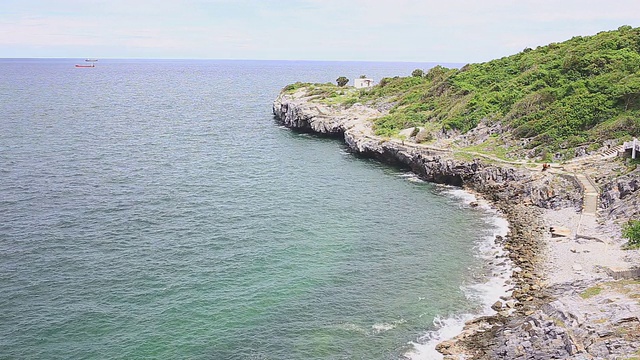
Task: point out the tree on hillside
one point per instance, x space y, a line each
628 91
342 81
631 231
436 72
417 73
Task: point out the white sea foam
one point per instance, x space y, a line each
485 293
466 197
411 177
378 328
375 328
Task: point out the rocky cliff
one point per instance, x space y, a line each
497 182
540 322
620 197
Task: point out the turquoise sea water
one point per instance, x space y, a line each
155 209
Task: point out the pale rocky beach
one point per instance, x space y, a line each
575 290
589 314
585 258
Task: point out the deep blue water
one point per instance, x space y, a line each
155 209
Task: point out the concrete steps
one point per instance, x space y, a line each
613 152
590 200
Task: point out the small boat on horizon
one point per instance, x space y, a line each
85 66
91 60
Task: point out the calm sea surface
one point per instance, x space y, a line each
155 209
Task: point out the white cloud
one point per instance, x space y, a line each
454 30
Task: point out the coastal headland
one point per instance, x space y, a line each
574 290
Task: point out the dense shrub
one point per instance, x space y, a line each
577 93
563 94
295 86
631 231
342 81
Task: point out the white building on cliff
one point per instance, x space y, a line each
362 83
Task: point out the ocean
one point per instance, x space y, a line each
154 209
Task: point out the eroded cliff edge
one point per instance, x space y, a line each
539 321
497 182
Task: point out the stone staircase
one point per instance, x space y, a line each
579 167
608 154
613 152
590 199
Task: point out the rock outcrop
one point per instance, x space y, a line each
533 323
602 326
496 182
620 198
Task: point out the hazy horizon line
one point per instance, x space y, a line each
231 59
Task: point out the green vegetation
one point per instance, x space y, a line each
493 146
291 88
635 357
590 292
622 286
342 81
327 93
631 231
560 96
558 322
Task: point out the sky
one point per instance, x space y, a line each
453 31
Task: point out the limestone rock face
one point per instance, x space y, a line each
621 198
297 112
566 329
355 126
531 323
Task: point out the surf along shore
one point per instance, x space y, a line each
564 301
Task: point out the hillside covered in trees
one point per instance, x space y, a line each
552 99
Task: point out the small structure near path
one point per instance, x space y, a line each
362 83
633 147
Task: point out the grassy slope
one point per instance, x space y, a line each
577 93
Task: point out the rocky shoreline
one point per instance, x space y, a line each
534 323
